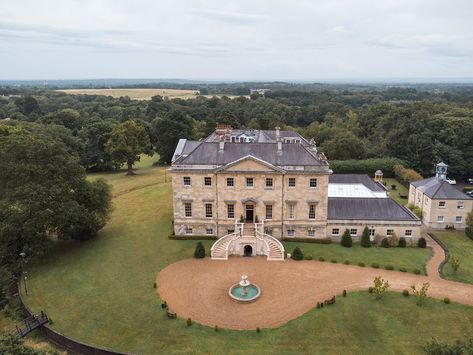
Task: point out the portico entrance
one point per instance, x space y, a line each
250 212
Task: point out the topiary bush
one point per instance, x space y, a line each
154 284
297 254
385 243
422 243
417 271
405 293
361 264
402 269
375 265
402 242
389 267
333 261
199 252
370 289
321 258
216 328
365 238
258 330
346 262
308 257
446 300
344 293
189 322
346 240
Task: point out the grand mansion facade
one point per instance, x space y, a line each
274 184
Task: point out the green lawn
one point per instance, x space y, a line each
101 292
460 245
394 194
410 258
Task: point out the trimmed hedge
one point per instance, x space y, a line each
309 240
366 166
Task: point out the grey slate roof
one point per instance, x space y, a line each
356 179
436 189
368 209
292 154
184 147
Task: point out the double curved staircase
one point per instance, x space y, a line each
248 234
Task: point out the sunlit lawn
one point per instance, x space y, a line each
459 245
410 258
101 292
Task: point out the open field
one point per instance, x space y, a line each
143 94
101 292
135 94
460 245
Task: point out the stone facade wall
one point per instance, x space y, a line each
431 209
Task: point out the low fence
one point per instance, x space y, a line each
62 341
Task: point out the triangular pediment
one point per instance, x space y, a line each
250 163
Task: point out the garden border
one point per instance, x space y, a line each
62 341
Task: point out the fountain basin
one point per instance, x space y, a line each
244 294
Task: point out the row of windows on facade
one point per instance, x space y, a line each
458 219
250 182
208 208
311 232
442 204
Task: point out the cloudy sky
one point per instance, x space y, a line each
236 40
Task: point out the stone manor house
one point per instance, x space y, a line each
252 188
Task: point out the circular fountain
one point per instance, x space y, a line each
244 291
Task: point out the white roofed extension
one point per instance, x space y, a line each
353 190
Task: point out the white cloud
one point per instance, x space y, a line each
221 39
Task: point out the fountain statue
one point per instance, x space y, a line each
244 291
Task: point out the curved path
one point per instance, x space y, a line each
197 288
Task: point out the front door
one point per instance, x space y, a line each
248 250
249 213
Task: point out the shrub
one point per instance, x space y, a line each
346 240
346 262
189 322
406 175
216 328
393 187
469 232
321 258
154 284
385 243
421 293
362 264
402 269
446 300
422 243
308 257
454 262
322 305
258 330
375 265
164 305
370 289
318 304
199 252
344 293
333 261
365 238
297 254
434 347
393 240
405 293
389 267
402 242
417 271
380 286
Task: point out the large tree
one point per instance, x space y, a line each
168 130
44 194
127 141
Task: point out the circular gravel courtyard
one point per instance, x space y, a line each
198 288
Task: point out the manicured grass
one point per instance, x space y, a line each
410 258
460 245
400 189
101 292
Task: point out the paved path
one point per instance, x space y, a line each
197 288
